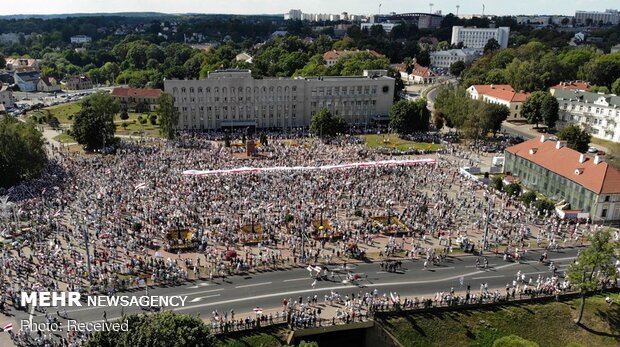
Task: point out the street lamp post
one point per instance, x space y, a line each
485 244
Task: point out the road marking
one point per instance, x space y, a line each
203 284
537 272
297 279
201 292
253 285
204 297
485 277
480 266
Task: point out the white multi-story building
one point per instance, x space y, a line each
443 59
232 98
293 15
79 39
478 37
387 27
609 17
598 113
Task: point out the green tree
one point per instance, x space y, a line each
407 117
541 107
491 46
513 189
575 137
153 119
457 68
165 329
93 125
615 87
168 116
494 115
594 264
550 109
514 341
264 141
498 183
22 153
528 197
324 124
2 61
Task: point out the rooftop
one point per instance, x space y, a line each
600 178
335 55
138 92
501 91
572 85
588 97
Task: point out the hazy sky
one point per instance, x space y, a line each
312 6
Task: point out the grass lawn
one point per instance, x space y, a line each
64 138
613 156
549 325
62 112
392 141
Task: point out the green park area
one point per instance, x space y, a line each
65 113
392 141
64 138
548 325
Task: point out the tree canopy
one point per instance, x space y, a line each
168 116
22 153
408 117
94 125
541 107
575 137
166 329
324 124
593 265
475 118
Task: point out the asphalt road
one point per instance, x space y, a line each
268 289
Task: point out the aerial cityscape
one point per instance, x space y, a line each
310 174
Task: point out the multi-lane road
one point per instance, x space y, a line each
268 289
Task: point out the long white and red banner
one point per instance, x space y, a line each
307 168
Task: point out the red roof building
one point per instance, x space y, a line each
332 57
585 182
502 94
572 85
133 96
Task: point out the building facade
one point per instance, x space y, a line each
80 39
598 113
27 80
478 37
232 98
502 94
443 59
48 84
130 97
6 97
78 83
609 17
587 184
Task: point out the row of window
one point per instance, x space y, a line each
235 90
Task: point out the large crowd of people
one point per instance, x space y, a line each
145 222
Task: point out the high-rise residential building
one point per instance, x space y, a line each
609 17
233 98
293 15
478 37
